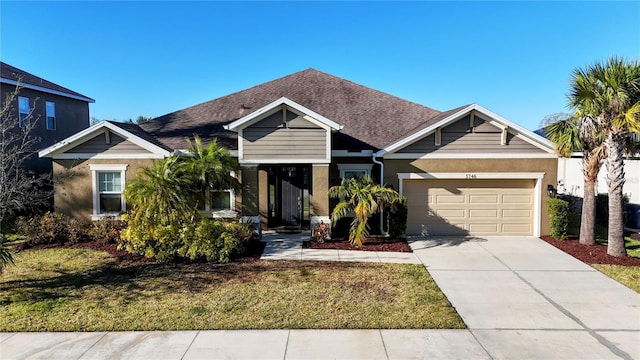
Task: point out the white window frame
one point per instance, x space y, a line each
97 168
51 114
223 213
23 100
365 168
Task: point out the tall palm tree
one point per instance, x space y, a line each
610 95
361 199
211 167
580 133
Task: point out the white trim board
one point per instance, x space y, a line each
526 135
45 90
470 156
73 156
258 114
92 131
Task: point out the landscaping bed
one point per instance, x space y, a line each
594 254
373 243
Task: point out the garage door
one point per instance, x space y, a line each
474 207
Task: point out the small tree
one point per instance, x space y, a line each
20 189
361 199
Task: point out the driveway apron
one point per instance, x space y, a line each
523 298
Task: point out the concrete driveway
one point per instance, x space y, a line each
523 298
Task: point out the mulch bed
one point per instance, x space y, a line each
590 254
373 243
253 252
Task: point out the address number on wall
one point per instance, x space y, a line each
471 176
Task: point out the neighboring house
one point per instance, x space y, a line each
58 111
464 171
571 178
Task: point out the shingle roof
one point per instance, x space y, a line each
12 73
137 131
371 118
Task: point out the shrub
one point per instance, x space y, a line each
559 215
52 228
398 218
106 230
204 240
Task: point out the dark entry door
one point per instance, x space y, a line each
289 195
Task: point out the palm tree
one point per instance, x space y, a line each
361 199
211 168
163 192
609 94
580 133
6 254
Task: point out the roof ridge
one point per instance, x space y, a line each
18 75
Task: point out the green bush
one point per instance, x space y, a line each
52 228
398 218
559 217
204 240
106 230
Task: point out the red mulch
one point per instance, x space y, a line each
590 254
373 243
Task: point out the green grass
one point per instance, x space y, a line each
626 275
84 290
633 246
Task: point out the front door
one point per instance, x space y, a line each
289 195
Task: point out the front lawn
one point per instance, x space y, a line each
86 290
626 275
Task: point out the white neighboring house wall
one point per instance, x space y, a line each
571 179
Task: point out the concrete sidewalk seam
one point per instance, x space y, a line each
606 343
92 346
190 344
384 346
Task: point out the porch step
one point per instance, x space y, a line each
288 230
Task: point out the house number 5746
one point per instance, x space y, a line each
472 176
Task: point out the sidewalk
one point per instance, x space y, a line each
289 247
244 344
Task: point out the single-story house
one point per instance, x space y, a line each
464 171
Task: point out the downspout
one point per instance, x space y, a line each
373 158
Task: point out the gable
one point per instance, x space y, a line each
112 144
470 132
471 135
284 136
107 140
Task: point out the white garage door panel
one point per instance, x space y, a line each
476 207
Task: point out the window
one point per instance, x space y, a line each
354 170
23 110
51 115
221 200
108 186
221 203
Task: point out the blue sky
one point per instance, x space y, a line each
151 58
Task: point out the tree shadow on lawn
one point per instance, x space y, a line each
133 281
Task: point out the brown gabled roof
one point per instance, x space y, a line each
139 132
14 74
371 119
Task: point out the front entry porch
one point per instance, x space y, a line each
287 197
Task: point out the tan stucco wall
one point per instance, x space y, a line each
73 184
547 166
319 199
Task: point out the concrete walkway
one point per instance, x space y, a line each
520 297
289 247
523 298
